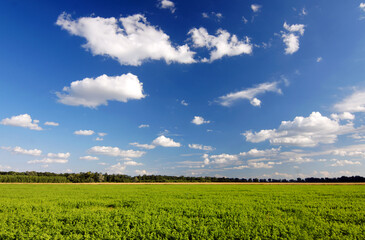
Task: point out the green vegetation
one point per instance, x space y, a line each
68 211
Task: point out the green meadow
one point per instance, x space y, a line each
67 211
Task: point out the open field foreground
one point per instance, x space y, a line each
45 211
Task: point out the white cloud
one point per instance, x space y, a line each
223 158
260 165
165 142
303 12
59 155
141 172
103 163
261 153
244 20
145 146
214 15
183 102
116 169
132 163
115 152
201 147
4 168
19 150
353 103
23 120
291 37
89 158
343 116
250 94
199 120
255 8
101 134
319 59
167 4
302 131
131 43
49 160
362 6
224 44
51 124
143 126
341 163
99 139
91 92
84 132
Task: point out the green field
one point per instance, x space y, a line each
182 211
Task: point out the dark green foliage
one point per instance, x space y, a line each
182 211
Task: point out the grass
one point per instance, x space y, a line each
182 211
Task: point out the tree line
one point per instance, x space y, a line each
95 177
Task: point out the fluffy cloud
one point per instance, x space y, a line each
19 150
224 44
131 43
201 147
145 146
51 124
184 103
261 153
223 158
214 15
132 163
91 92
353 103
116 169
302 131
89 158
362 6
143 126
99 139
260 165
84 132
167 4
59 155
250 94
115 152
255 8
165 142
199 120
343 116
101 134
291 37
341 163
49 160
23 120
141 172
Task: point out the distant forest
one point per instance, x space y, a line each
90 177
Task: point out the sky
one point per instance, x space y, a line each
267 89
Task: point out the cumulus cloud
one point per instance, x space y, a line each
132 163
141 172
115 152
362 6
291 37
302 131
143 126
224 44
89 158
341 163
199 120
23 120
49 160
84 132
130 40
59 155
250 94
201 147
167 4
165 142
116 169
184 103
99 139
214 15
19 150
260 165
145 146
91 92
51 124
353 103
261 153
343 116
223 158
255 8
101 134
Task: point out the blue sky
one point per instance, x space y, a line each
209 88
